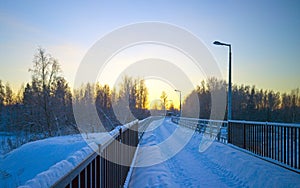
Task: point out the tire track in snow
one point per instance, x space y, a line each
179 171
225 175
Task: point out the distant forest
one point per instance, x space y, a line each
248 103
43 107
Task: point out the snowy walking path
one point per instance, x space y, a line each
219 166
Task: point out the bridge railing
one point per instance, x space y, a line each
275 142
143 125
278 141
213 128
96 170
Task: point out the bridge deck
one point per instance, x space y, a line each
218 166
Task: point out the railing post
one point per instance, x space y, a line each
292 146
288 145
298 139
244 135
229 131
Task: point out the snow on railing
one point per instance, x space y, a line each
97 170
60 169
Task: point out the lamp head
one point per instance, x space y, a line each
217 43
220 43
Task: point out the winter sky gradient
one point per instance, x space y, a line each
264 34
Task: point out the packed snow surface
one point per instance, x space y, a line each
218 166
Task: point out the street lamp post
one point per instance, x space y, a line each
179 101
229 79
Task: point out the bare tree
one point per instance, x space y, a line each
2 98
122 108
142 98
295 99
164 98
45 72
2 94
8 94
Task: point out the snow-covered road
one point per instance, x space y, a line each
219 166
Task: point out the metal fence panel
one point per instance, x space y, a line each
97 171
277 141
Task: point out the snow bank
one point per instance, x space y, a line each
25 162
41 162
60 169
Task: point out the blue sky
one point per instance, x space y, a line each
264 34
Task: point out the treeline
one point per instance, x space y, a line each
43 107
248 102
114 107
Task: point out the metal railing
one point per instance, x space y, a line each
275 141
272 141
96 170
213 128
143 124
278 141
